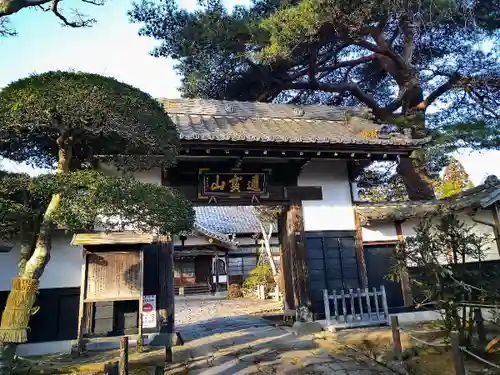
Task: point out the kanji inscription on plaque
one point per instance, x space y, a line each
113 276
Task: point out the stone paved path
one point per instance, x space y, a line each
241 344
265 349
200 316
192 309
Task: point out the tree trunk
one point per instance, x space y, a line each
267 245
412 169
296 245
19 306
415 178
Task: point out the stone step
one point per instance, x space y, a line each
192 289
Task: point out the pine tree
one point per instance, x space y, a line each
454 181
397 58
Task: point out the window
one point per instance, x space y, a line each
241 266
236 266
222 267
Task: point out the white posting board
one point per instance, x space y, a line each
149 311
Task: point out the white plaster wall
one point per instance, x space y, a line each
491 251
62 271
379 232
191 241
387 232
335 211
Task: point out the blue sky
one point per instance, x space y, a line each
112 47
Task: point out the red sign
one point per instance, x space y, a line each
147 307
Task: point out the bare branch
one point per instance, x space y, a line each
481 101
98 3
354 89
9 7
80 23
457 81
348 63
5 29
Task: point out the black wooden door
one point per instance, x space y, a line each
378 261
332 264
203 268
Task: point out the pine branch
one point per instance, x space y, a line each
354 89
10 7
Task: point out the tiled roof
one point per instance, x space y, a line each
228 219
221 222
217 120
478 197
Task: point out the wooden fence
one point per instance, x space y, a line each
458 351
274 293
357 307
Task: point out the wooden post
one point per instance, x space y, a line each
227 270
166 294
326 301
140 341
296 243
353 311
111 368
405 278
384 302
344 306
81 310
377 307
458 359
396 338
216 271
478 317
496 229
285 264
360 251
123 364
368 304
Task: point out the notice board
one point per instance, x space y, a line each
113 276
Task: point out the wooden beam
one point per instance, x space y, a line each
303 193
112 238
405 278
234 148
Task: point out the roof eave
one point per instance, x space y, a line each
491 198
